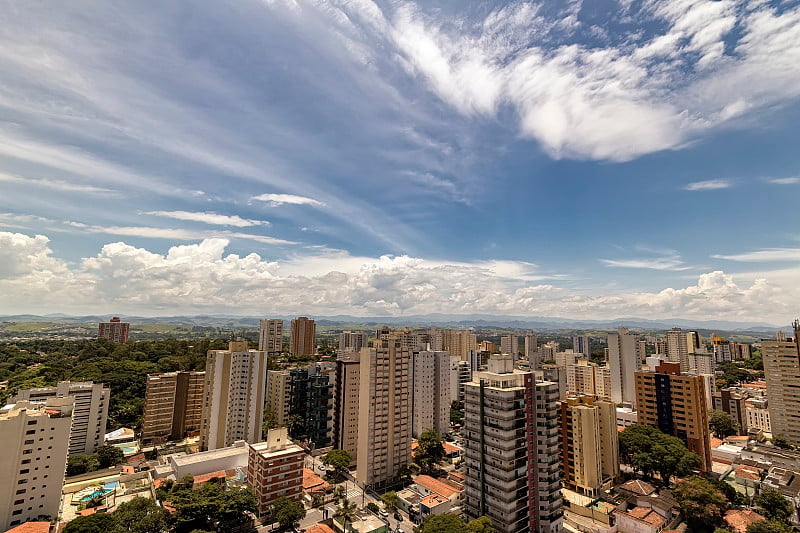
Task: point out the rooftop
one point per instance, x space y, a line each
646 515
31 527
199 457
320 528
738 521
638 487
436 485
432 500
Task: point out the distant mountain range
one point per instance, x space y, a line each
436 319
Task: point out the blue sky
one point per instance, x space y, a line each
576 159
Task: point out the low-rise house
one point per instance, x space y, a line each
639 520
737 521
434 504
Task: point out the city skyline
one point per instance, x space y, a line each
567 159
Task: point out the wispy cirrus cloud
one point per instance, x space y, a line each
708 185
276 200
208 217
57 185
766 255
657 263
784 181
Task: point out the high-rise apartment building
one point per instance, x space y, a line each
304 336
346 403
311 400
580 344
581 378
34 437
114 330
701 363
512 446
733 402
624 360
173 406
275 469
384 412
270 335
675 403
278 397
589 444
432 376
782 373
694 342
532 349
353 341
457 342
234 396
677 348
757 412
602 382
510 344
89 415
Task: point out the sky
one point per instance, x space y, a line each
587 160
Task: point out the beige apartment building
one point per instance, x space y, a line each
675 403
270 335
173 407
275 469
347 388
384 412
678 348
352 341
581 378
782 373
34 437
589 444
278 395
90 412
432 376
304 336
457 342
234 396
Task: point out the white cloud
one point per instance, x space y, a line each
785 181
770 254
210 218
57 185
279 199
200 277
178 234
709 185
672 262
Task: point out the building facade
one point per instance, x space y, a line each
353 341
384 412
511 442
173 406
782 373
580 344
234 390
114 330
624 360
304 336
275 469
675 403
677 348
589 444
346 402
510 344
270 335
432 375
311 401
89 415
34 437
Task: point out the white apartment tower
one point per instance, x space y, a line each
623 359
34 437
352 341
90 413
346 402
384 412
677 348
510 344
270 335
278 397
532 349
511 445
432 375
234 396
782 373
580 344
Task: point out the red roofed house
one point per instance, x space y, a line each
639 520
738 521
429 485
31 527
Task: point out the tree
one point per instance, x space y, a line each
338 459
702 505
141 515
430 450
390 500
722 424
346 513
81 463
287 512
109 456
480 525
212 507
457 412
443 523
769 526
268 421
773 505
649 450
94 523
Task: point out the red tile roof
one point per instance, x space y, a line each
204 478
31 527
312 482
319 528
638 487
646 515
739 520
436 485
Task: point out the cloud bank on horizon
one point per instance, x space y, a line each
562 158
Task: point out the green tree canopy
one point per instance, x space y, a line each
212 507
457 412
443 523
346 513
773 505
480 525
109 456
702 504
94 523
722 424
141 515
390 499
649 450
287 512
338 459
430 450
769 526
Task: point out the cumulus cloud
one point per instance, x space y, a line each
202 277
210 218
709 185
279 199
